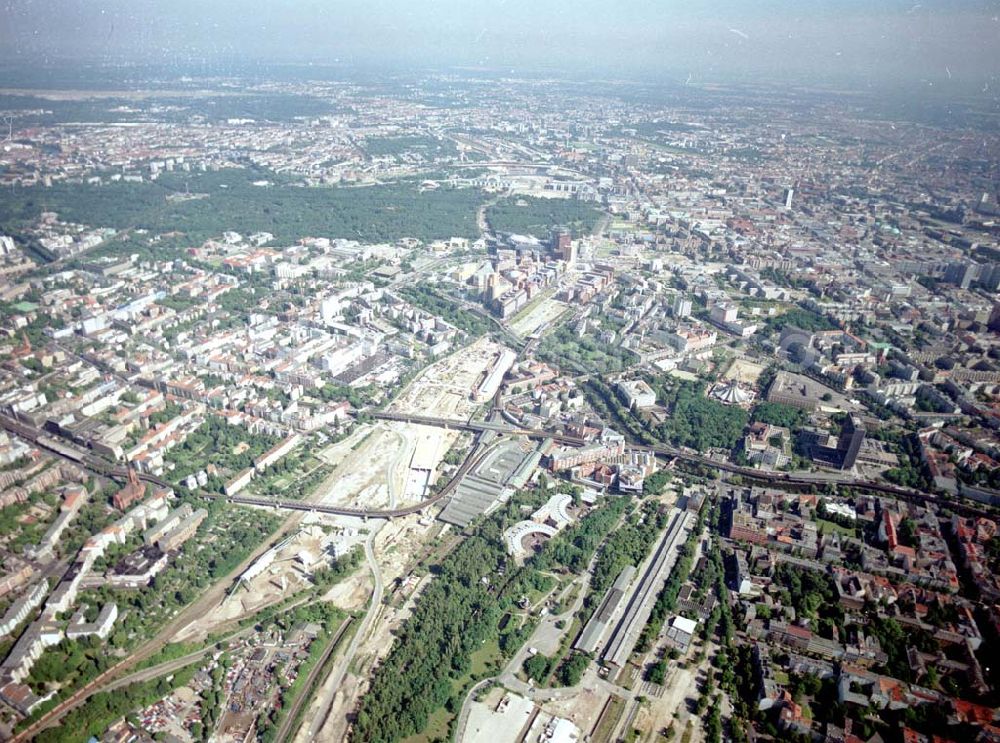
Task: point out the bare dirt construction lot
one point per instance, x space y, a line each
395 547
370 467
445 387
742 370
385 465
582 709
680 684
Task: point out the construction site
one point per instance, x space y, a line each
282 570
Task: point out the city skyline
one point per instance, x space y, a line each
948 45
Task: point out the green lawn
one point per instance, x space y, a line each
825 527
481 664
437 728
483 659
536 595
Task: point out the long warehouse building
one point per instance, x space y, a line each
640 605
593 632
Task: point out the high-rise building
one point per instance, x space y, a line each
725 313
961 274
989 277
787 197
562 247
994 322
682 306
852 436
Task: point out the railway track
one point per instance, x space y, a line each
776 478
104 467
290 724
109 469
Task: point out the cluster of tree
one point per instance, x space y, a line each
657 672
35 330
910 471
428 147
19 529
746 682
177 303
783 278
426 298
572 668
170 411
375 213
472 600
993 552
700 423
324 578
713 723
727 663
328 617
610 407
457 613
69 663
212 699
896 641
526 215
666 599
92 517
357 397
654 484
908 532
262 106
928 402
229 448
807 591
799 317
223 541
93 716
537 667
779 414
572 547
626 545
566 349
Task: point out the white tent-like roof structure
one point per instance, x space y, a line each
731 394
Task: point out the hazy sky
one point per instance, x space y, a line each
945 42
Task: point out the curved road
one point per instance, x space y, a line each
508 678
337 677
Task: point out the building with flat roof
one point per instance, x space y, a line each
597 626
795 391
680 632
637 393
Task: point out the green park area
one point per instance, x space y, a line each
288 211
526 215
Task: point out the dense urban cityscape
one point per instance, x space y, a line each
491 407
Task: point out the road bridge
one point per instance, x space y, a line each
790 479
